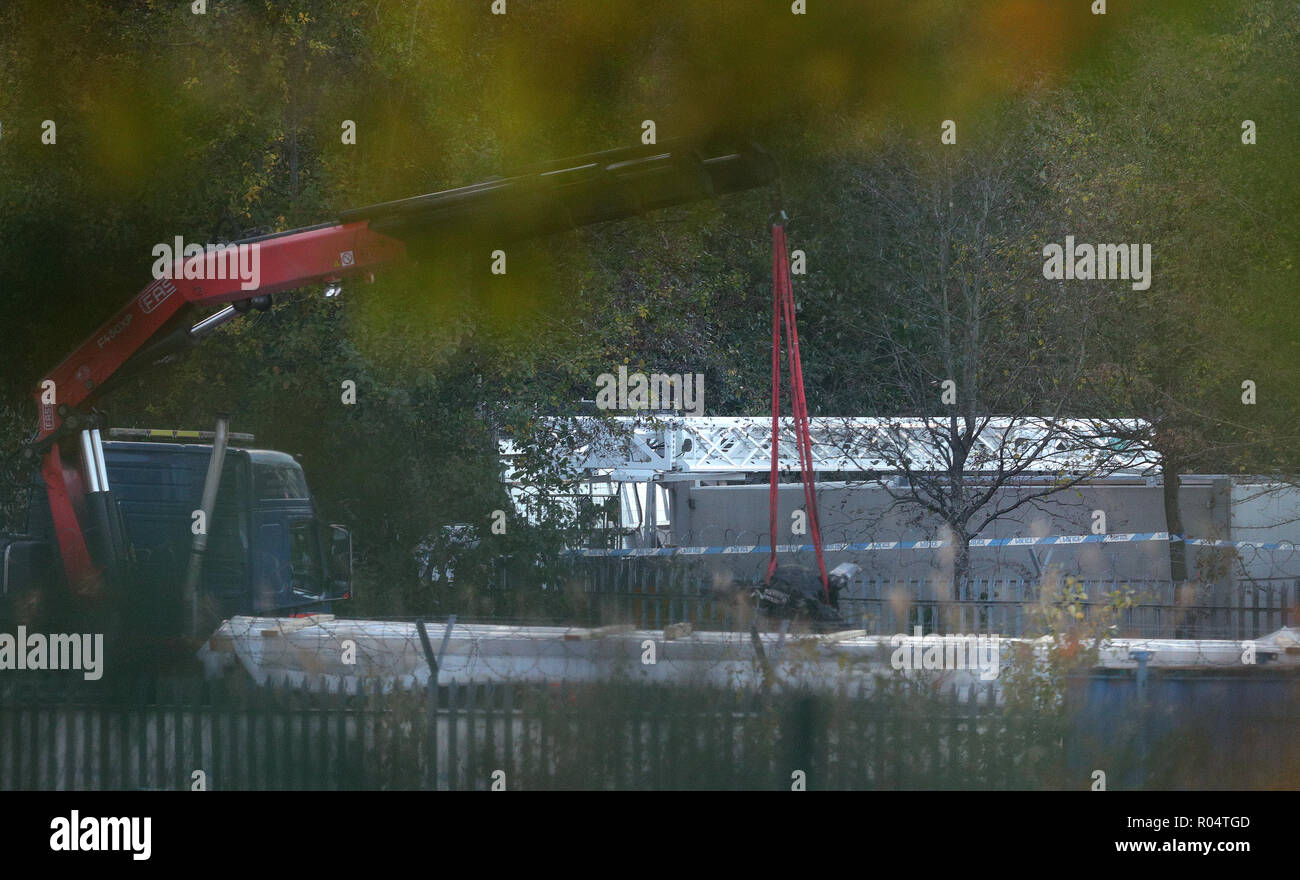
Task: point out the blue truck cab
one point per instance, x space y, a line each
268 551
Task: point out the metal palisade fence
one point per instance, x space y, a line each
172 734
653 593
1174 730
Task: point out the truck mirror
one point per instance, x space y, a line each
340 564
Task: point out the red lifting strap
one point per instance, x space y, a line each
783 304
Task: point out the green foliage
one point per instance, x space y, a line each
1071 631
204 126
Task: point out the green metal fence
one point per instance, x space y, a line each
1174 730
230 734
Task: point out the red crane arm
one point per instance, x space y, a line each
560 195
284 262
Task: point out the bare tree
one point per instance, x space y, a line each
977 362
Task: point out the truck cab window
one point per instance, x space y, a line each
305 569
277 481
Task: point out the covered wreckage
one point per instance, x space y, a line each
324 653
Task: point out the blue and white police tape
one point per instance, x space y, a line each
1048 540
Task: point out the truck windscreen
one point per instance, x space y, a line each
279 481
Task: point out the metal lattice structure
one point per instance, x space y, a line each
686 447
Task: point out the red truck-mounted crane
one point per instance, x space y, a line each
83 522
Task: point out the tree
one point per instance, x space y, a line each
976 365
1155 152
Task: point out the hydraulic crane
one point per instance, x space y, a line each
82 520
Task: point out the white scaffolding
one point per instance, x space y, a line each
626 456
639 449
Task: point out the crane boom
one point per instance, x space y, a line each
559 195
